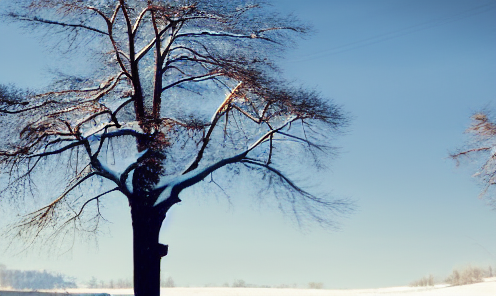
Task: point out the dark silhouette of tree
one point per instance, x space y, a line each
183 89
482 146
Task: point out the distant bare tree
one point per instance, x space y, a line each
483 147
184 88
168 283
314 285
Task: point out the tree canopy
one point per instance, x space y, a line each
482 146
177 90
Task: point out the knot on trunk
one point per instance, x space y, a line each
162 250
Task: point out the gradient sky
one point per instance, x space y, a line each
410 72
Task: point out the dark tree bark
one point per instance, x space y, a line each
147 221
146 250
145 255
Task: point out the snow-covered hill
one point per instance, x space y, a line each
486 288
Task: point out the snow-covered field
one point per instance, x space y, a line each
486 288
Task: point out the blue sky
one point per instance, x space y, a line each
410 73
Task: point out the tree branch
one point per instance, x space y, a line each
114 114
194 176
193 79
25 153
92 199
40 218
215 119
149 46
278 173
456 155
215 34
29 109
139 18
306 141
50 22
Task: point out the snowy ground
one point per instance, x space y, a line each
486 288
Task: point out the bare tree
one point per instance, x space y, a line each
483 147
184 88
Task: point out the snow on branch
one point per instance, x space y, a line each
213 123
136 101
192 176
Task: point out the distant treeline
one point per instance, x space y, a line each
94 283
33 280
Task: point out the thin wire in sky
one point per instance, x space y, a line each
399 33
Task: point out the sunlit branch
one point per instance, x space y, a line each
254 119
207 60
125 132
110 87
139 18
110 24
29 108
197 176
206 138
194 52
61 92
91 117
208 17
269 134
107 135
169 121
114 15
99 12
149 46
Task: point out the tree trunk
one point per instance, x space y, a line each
147 251
147 221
